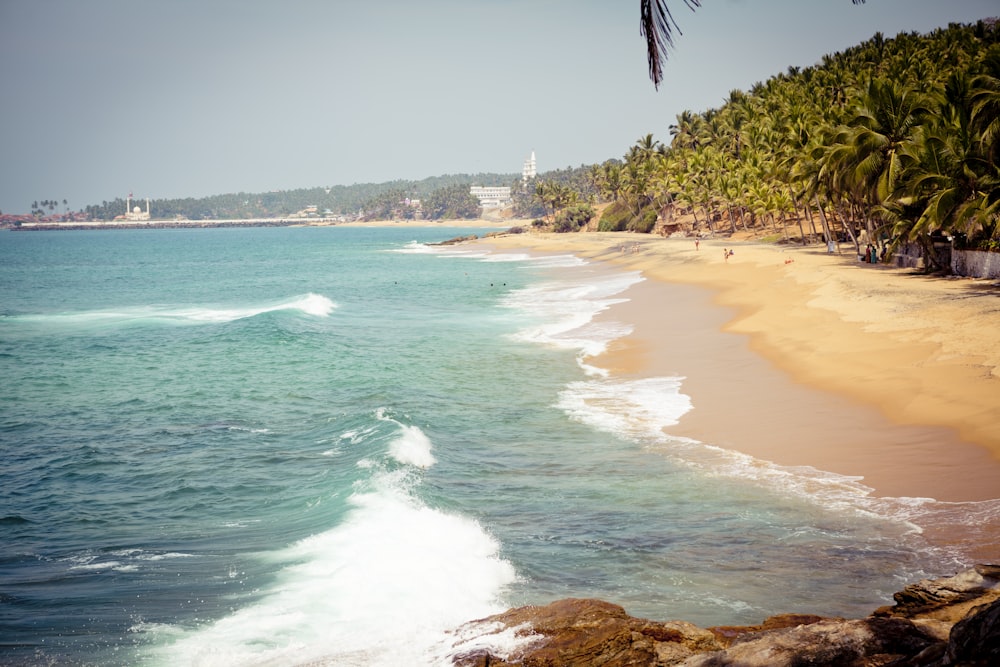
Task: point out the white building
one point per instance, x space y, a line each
135 214
491 196
530 169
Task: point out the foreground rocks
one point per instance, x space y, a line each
934 623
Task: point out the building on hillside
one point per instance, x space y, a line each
310 211
530 169
491 196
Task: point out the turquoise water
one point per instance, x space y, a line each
270 446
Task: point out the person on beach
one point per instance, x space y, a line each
696 244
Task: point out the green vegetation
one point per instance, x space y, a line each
897 138
451 203
894 140
573 218
347 200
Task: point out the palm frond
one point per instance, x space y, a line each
657 25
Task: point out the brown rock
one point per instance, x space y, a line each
827 643
592 632
947 622
975 640
949 599
726 634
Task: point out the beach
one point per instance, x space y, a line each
401 434
804 358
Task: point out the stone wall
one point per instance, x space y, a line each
975 263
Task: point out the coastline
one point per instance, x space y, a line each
802 358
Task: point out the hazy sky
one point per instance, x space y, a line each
186 98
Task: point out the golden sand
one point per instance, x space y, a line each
799 357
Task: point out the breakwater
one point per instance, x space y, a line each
170 224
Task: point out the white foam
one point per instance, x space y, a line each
384 588
412 447
416 248
564 311
315 305
637 410
643 411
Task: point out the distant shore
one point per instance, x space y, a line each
842 354
255 222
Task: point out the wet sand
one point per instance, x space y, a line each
804 359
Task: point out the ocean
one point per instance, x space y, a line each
339 444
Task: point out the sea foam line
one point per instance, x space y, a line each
315 305
642 411
565 312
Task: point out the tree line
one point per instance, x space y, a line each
348 200
897 138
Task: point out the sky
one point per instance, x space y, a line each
191 98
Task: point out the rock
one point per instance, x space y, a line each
949 599
947 622
726 634
456 240
592 632
827 643
975 640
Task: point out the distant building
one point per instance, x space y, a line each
135 214
491 196
530 169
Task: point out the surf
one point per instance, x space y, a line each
310 304
384 587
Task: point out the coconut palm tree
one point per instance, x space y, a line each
949 176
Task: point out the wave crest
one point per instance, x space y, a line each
312 304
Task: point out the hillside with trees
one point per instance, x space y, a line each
353 201
896 139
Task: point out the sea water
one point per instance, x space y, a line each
276 446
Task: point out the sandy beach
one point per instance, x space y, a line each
799 357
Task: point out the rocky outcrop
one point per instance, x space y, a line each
456 240
934 623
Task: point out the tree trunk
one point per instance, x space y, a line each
798 219
809 214
850 232
827 232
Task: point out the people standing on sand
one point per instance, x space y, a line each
725 254
696 244
868 254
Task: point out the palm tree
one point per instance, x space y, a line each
949 180
884 125
657 26
985 99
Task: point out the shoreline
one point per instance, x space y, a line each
806 359
499 225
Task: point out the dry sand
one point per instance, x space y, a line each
803 358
